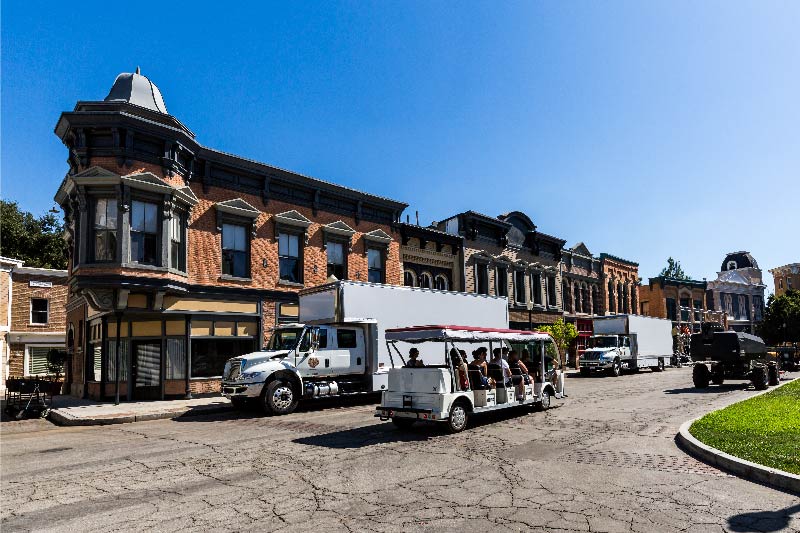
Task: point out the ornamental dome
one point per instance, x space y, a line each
737 260
137 90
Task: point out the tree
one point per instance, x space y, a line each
673 270
37 241
782 318
563 333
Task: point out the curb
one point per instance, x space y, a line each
740 467
65 419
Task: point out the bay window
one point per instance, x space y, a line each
105 229
144 232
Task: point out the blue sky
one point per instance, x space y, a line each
644 129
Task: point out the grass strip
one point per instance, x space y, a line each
764 429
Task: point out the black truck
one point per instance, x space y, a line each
719 355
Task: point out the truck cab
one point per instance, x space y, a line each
300 360
606 353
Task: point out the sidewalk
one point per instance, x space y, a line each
69 411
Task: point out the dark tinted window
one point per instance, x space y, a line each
346 338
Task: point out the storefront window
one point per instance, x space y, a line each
209 355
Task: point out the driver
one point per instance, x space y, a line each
413 361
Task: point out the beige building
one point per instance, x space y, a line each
32 318
786 277
431 258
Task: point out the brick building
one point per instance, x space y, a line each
508 256
786 277
33 318
582 290
738 291
681 301
620 285
182 256
431 258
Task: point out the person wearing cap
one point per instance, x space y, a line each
413 361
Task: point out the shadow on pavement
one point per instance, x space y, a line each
763 520
711 389
253 410
386 432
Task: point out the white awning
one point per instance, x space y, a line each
462 334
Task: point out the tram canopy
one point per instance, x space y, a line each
417 334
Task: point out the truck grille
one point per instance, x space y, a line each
590 356
232 370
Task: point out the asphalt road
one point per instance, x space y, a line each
604 459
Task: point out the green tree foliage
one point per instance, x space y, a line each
782 318
37 241
562 332
673 270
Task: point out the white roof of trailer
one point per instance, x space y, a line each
462 334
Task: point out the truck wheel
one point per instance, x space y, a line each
585 371
659 367
279 398
459 416
616 368
403 423
544 404
701 376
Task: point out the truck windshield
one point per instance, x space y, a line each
284 339
604 342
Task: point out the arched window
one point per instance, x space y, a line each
426 280
441 283
611 307
70 338
586 308
596 309
620 303
576 298
731 265
409 278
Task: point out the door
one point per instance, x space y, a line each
146 370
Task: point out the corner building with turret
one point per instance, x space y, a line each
182 256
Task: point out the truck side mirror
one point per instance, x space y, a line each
314 339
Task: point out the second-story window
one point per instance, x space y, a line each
519 286
375 269
502 281
482 278
289 257
144 232
234 251
551 291
536 288
177 248
336 260
105 229
39 310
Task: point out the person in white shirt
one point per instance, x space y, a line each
497 359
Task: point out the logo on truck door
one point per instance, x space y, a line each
313 362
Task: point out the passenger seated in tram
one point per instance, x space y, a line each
519 373
462 373
478 371
498 368
413 362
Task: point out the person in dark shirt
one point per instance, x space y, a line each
413 359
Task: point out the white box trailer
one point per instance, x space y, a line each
628 342
339 346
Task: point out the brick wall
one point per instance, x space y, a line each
204 241
16 359
21 303
5 281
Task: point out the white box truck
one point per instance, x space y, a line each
339 347
627 342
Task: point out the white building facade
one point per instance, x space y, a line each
738 291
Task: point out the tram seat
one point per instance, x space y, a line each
476 380
496 372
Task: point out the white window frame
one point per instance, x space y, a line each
30 314
27 357
446 282
413 277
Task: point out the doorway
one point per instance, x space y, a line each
147 370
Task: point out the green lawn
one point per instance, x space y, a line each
764 430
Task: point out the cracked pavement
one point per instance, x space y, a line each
603 460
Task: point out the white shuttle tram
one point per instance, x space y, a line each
434 393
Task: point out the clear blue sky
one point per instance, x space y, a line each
644 129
